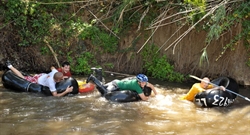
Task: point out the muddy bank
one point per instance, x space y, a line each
185 55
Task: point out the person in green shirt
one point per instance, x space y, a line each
135 84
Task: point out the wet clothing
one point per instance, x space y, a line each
112 86
48 80
196 88
64 74
33 79
129 85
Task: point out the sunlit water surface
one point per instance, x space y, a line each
89 113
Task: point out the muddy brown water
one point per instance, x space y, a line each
89 113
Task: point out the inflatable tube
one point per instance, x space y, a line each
122 96
13 82
119 95
85 87
219 98
126 95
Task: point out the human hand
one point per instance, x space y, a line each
69 89
52 67
65 77
222 88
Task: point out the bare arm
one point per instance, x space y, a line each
143 97
65 77
51 68
152 87
221 88
218 88
68 90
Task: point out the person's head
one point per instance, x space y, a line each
205 82
66 66
142 79
58 76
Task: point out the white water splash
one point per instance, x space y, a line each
160 102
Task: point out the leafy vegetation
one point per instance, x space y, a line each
107 42
83 63
65 28
221 17
158 66
37 22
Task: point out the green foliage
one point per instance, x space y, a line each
36 20
87 30
158 67
45 50
204 57
198 3
83 63
107 42
32 21
222 22
217 27
248 62
197 14
133 12
108 65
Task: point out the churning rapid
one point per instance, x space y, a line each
90 113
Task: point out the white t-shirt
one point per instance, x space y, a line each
48 80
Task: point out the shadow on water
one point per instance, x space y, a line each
89 113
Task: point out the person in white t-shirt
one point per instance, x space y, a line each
44 79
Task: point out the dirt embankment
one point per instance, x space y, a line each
185 55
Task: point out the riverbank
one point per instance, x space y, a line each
1 74
116 75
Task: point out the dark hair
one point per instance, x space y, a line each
58 75
65 64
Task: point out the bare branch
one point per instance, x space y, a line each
170 37
193 26
143 15
150 36
52 51
121 15
179 13
102 23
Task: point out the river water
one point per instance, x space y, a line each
89 113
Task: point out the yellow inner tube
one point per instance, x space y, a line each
85 87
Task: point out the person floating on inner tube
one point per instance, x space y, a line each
48 80
135 84
65 69
199 87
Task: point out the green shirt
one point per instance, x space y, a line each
130 85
